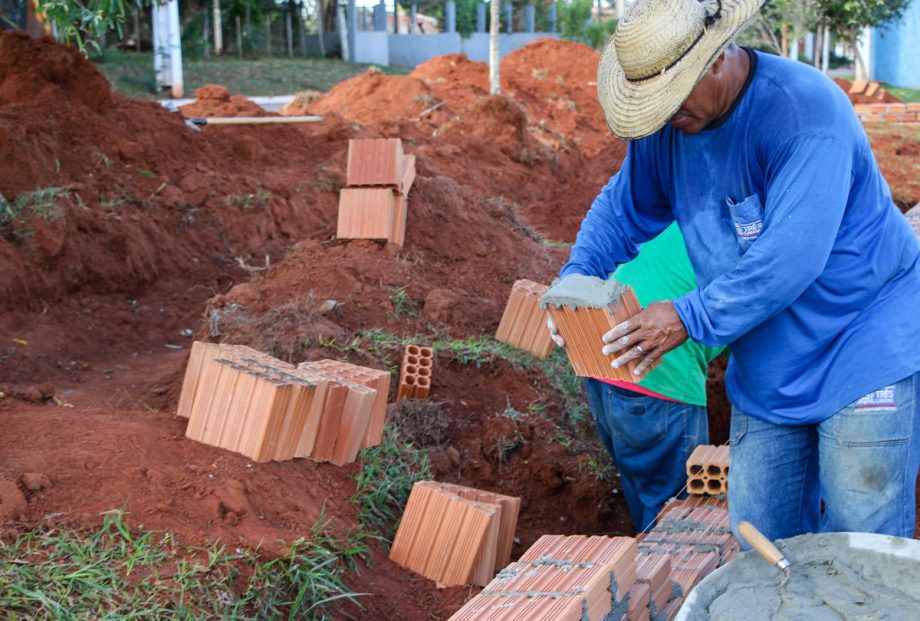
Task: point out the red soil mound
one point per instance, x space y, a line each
35 71
859 98
214 100
373 96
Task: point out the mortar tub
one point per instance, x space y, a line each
696 604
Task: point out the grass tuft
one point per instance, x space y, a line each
121 573
387 473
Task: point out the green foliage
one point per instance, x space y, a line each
80 22
382 486
42 203
402 305
846 17
121 573
250 201
575 23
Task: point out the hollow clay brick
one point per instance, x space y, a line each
375 162
365 213
582 329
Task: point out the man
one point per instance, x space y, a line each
651 428
806 269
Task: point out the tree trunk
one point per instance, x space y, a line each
205 33
784 40
218 30
495 23
859 64
320 27
239 37
268 35
819 40
826 51
288 34
137 29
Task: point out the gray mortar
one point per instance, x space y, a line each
583 291
830 580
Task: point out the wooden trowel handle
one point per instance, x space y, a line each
762 545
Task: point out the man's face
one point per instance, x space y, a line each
702 106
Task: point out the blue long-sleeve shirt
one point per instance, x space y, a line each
806 269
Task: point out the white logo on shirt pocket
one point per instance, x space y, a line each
747 217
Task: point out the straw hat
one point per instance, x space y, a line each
660 50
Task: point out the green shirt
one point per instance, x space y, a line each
662 271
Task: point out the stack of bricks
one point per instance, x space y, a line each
372 378
378 180
560 578
455 535
245 401
523 323
707 470
888 112
582 329
691 539
415 373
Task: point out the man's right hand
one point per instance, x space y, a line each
554 332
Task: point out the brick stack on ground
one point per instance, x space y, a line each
523 323
373 205
455 535
415 373
691 540
582 329
560 578
707 470
242 400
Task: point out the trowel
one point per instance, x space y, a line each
765 548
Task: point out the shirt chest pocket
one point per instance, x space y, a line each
747 218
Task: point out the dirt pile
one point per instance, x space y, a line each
217 101
861 98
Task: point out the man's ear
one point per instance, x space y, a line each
717 66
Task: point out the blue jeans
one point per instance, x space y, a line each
650 440
862 462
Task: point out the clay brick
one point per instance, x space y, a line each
858 86
892 118
365 213
248 405
582 329
415 373
558 578
523 323
375 162
376 379
913 107
447 538
872 88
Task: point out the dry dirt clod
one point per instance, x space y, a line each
12 501
34 481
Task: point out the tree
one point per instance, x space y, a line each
81 22
783 21
847 18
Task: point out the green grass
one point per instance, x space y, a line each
132 74
907 95
382 486
121 573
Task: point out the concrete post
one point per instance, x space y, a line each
810 46
481 17
508 15
352 28
413 25
450 16
380 17
553 18
167 53
530 15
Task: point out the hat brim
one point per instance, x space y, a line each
638 109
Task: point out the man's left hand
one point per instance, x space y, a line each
649 335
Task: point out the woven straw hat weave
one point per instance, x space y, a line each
659 52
